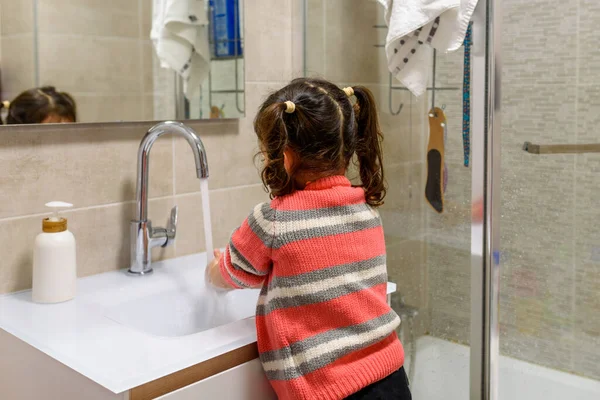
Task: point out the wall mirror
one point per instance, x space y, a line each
121 60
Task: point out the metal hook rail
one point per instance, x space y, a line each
391 86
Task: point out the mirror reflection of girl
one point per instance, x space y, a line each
42 105
325 330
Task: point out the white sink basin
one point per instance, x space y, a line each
179 313
174 301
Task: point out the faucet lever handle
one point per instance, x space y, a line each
172 227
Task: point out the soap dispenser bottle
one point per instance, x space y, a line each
54 259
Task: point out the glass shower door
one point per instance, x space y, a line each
550 279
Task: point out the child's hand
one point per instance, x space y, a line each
213 273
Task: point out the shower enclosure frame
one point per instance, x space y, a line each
485 190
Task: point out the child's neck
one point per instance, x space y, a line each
305 178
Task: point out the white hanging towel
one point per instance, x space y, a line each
414 26
180 37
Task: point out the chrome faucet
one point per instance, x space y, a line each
143 236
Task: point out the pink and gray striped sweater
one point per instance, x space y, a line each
324 327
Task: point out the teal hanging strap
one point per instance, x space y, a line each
466 131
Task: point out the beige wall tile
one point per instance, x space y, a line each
350 53
402 212
190 229
147 66
588 101
449 270
16 16
102 236
586 215
145 18
89 17
162 107
406 267
586 354
223 76
298 38
405 261
455 328
86 165
109 108
230 146
17 252
538 114
538 206
589 53
537 302
148 107
539 41
17 63
448 245
401 133
229 208
586 313
90 64
268 46
449 70
315 39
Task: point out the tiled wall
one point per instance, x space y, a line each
550 307
341 41
94 167
16 47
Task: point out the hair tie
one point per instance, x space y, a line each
6 104
290 107
349 91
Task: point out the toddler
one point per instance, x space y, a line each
317 250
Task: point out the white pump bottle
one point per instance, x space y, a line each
54 259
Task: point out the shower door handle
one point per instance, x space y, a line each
561 148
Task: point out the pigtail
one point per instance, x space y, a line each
4 105
368 147
272 133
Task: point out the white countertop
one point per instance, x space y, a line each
89 335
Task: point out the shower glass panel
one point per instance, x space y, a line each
550 275
429 253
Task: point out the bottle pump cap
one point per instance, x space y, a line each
55 223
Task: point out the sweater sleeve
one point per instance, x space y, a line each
247 260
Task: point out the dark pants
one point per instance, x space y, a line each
394 387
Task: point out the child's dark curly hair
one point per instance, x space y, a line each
35 105
324 130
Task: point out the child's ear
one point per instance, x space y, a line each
289 158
